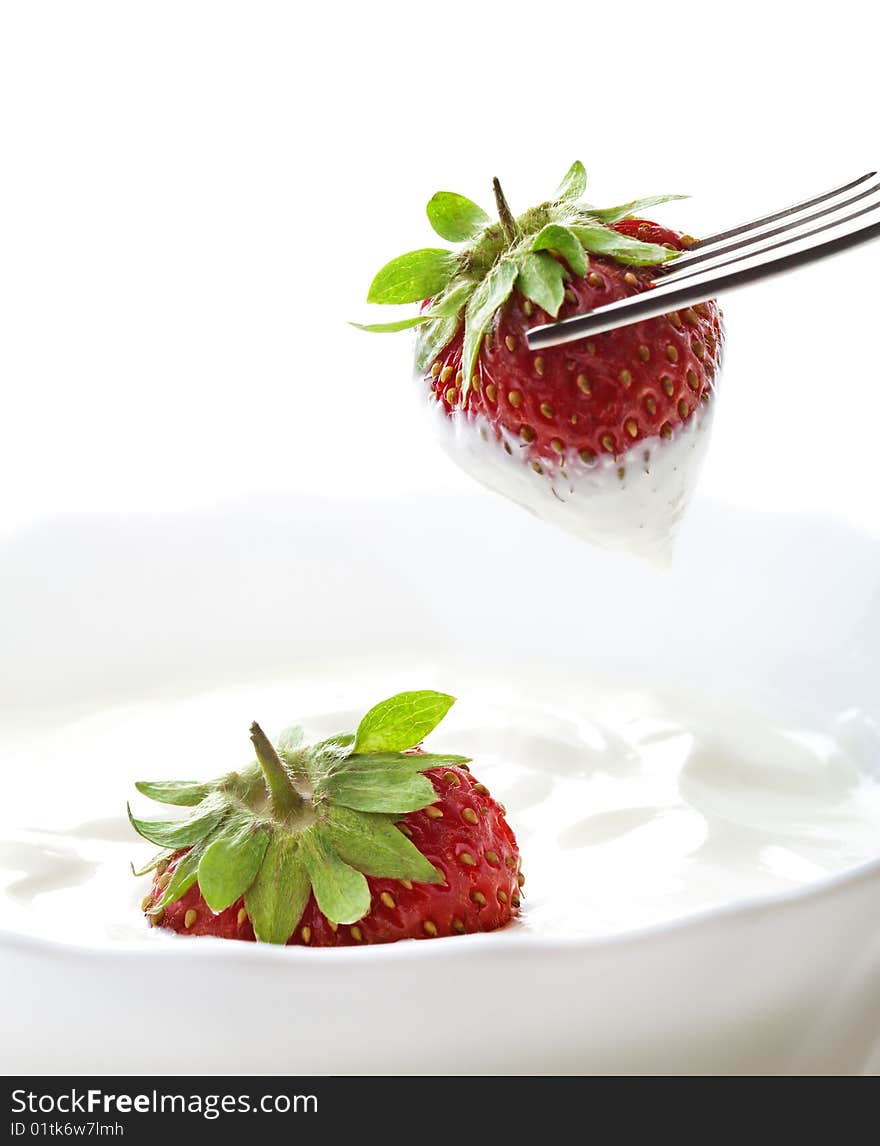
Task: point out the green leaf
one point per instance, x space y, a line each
392 327
180 833
600 240
433 338
555 237
278 896
573 185
291 748
158 858
402 761
184 793
449 303
339 746
610 215
373 845
413 277
289 739
231 861
488 296
244 785
401 721
454 217
296 755
379 790
182 879
542 279
323 758
342 893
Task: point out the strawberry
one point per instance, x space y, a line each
361 838
575 423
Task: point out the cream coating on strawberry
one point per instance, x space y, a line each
631 502
363 838
605 436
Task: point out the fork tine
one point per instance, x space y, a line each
753 250
706 283
757 237
720 236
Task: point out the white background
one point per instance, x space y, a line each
194 197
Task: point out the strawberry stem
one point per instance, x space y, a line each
285 798
508 223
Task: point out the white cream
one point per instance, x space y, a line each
632 502
630 808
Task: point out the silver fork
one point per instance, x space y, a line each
678 284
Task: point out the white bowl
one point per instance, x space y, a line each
98 614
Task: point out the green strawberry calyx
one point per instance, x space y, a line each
535 253
304 818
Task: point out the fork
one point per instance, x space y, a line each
677 284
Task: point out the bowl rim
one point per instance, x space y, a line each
513 940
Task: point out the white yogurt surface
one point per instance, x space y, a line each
631 808
632 502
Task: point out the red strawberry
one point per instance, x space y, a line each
292 860
582 423
480 863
